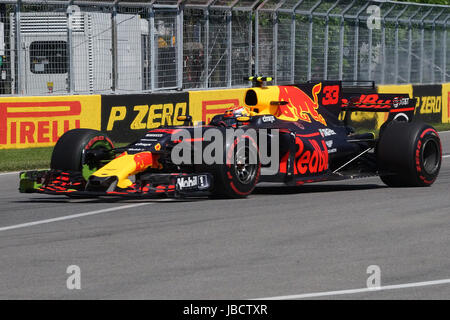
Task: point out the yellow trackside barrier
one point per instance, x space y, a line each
204 105
39 121
446 103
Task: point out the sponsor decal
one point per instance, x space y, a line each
40 121
126 118
301 106
327 132
270 119
400 102
311 157
154 135
143 160
330 151
429 103
370 101
192 182
329 143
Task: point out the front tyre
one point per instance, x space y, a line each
410 153
239 175
70 149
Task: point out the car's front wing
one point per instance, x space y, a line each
147 185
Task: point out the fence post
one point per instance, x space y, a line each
341 40
310 37
356 45
275 47
229 47
433 73
250 45
257 42
293 41
206 83
114 46
179 44
19 89
327 30
444 56
293 26
151 15
422 45
71 82
396 53
310 43
383 43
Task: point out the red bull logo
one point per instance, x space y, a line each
301 106
143 160
311 161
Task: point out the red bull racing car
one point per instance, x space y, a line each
303 130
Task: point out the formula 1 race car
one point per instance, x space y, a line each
303 130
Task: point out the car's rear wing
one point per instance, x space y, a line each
399 106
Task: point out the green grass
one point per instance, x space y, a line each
24 159
39 158
28 159
441 126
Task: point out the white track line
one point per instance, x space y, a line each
362 290
70 217
9 173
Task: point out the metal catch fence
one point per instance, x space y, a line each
125 46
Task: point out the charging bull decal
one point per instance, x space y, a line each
301 106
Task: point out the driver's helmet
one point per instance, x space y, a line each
237 112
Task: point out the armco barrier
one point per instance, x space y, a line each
39 121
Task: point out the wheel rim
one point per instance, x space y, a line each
430 156
245 172
86 169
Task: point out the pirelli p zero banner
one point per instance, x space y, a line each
126 117
39 121
429 102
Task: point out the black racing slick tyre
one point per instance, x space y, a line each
238 176
409 154
69 151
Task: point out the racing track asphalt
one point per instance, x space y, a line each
280 241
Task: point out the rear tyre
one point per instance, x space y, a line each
239 175
410 153
69 151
